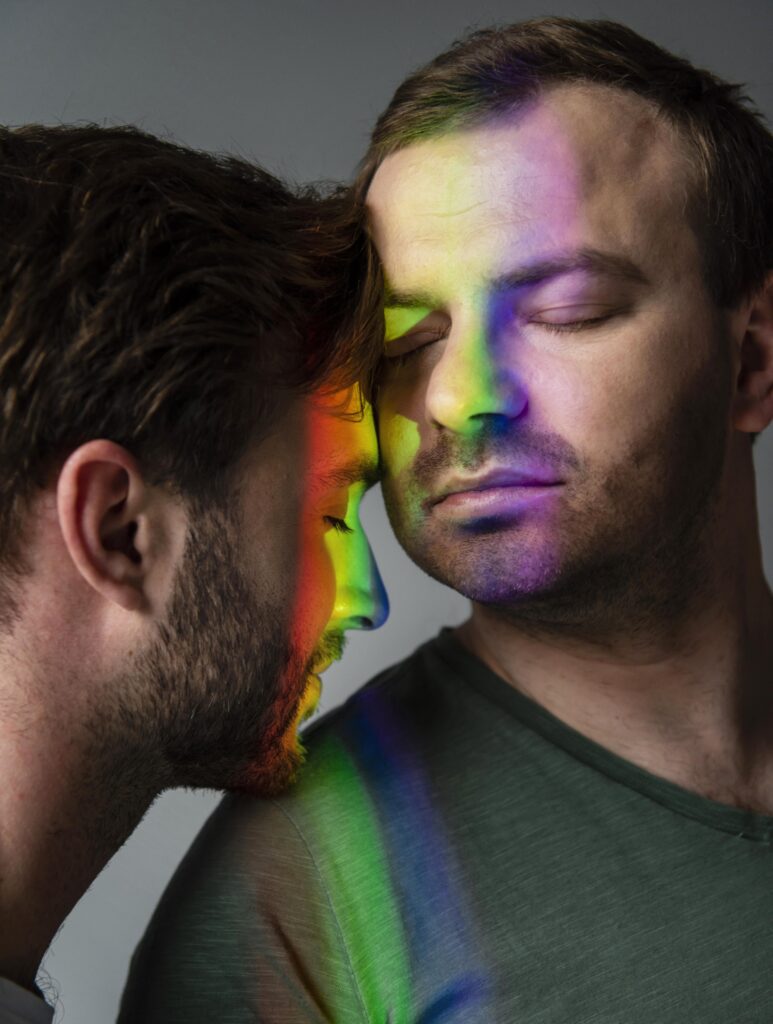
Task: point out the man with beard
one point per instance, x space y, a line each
563 810
182 453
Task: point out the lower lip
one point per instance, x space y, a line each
495 502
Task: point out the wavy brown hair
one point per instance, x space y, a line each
165 299
492 71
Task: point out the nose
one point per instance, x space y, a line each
362 602
475 379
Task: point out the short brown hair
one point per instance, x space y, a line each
494 70
164 299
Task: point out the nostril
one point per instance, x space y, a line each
363 622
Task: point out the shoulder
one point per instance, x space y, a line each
252 846
353 751
263 852
273 892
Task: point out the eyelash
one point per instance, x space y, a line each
339 525
572 326
406 356
567 328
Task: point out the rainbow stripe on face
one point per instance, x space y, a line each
337 586
492 300
363 806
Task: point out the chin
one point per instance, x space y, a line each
280 765
496 568
277 771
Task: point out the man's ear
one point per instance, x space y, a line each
106 518
753 400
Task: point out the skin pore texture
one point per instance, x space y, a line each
163 644
564 417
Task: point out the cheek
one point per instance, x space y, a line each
315 591
604 398
399 441
403 391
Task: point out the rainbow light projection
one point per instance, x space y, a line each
405 877
443 408
425 874
337 584
488 363
450 230
494 242
393 896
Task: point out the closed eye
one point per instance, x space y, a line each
571 326
339 525
401 349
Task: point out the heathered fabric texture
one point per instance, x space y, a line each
454 854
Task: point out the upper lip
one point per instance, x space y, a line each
495 477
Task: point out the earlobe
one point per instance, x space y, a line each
753 400
99 496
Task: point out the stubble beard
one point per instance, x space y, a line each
213 699
624 550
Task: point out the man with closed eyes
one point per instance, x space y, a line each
561 811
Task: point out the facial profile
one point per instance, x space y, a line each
339 585
230 678
554 405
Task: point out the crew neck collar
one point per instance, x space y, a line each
723 817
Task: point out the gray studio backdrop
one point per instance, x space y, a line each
295 84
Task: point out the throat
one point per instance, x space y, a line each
698 714
60 823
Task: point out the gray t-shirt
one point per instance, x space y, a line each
454 854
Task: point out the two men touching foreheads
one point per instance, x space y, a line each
561 811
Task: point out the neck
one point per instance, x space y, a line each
70 797
689 699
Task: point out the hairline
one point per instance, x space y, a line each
694 184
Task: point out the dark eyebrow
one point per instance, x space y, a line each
593 260
394 299
364 470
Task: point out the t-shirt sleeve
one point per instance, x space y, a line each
245 932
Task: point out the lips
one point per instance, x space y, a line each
319 667
496 479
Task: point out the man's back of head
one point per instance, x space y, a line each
168 320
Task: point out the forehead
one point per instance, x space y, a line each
581 165
342 441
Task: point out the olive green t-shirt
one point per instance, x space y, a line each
454 854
